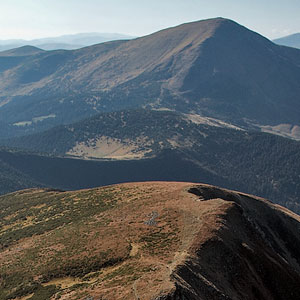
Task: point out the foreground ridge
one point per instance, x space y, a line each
150 240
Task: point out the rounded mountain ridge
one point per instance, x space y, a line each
149 240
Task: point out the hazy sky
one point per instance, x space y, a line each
42 18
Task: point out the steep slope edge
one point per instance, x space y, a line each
254 253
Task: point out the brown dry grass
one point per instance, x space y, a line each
106 147
149 252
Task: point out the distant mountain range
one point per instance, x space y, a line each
67 42
292 40
215 68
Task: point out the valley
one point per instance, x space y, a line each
139 145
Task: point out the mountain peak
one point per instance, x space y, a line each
22 51
208 25
211 23
214 67
292 40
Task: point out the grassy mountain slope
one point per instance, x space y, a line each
213 67
207 149
147 241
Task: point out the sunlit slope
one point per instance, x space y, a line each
214 67
152 240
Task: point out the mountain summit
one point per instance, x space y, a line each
292 40
215 68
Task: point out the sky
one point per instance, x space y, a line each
29 19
